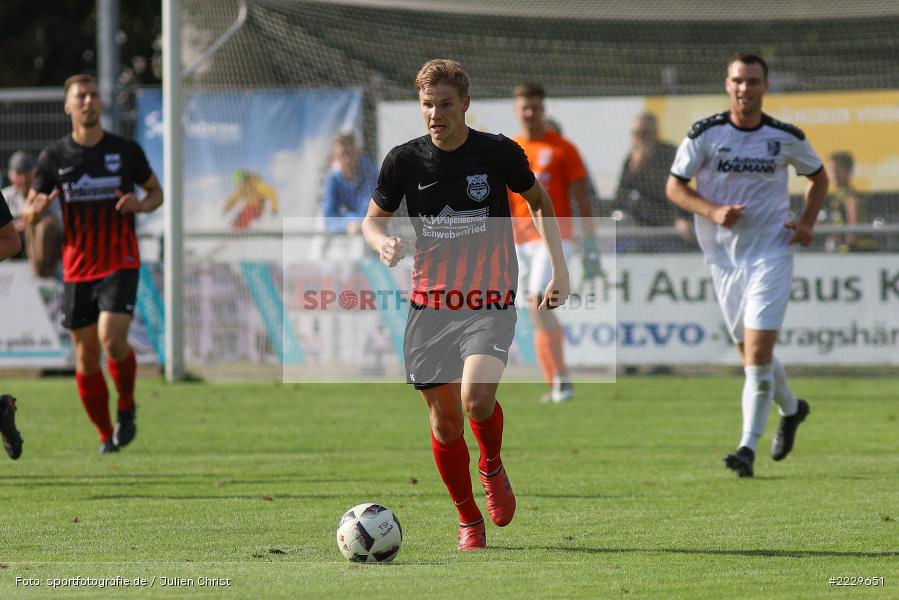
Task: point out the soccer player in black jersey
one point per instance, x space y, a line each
10 245
462 317
93 173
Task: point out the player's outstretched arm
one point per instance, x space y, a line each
390 248
815 194
688 199
10 243
129 203
541 208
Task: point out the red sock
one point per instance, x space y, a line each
95 399
123 374
452 462
557 351
489 434
544 354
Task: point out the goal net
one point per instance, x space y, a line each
270 85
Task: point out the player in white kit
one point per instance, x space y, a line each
743 224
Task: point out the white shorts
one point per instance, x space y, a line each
535 268
754 297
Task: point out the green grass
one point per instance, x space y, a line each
622 493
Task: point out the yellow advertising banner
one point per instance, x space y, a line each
864 123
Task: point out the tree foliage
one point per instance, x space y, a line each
44 41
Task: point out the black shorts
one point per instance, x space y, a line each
83 301
437 342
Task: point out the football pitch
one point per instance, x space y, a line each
621 493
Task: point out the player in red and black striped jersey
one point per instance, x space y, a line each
456 200
94 173
462 317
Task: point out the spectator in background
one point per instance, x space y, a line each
348 187
641 187
21 174
553 124
842 206
41 243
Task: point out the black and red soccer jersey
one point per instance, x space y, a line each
99 240
459 208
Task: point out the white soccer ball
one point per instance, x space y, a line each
369 533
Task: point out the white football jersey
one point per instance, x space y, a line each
744 166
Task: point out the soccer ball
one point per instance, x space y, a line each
369 533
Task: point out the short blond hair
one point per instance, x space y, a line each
442 70
80 78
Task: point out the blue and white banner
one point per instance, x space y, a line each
33 337
250 157
315 314
28 335
844 310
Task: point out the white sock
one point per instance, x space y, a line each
785 399
758 392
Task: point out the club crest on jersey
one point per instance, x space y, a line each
544 157
113 162
773 147
478 188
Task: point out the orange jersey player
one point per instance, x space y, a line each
559 169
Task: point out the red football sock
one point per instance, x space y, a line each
95 399
544 354
452 462
489 434
123 374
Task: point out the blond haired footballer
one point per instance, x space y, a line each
454 182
